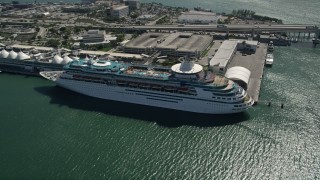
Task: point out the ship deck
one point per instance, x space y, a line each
148 73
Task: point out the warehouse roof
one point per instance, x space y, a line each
224 53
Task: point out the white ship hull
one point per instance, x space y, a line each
150 98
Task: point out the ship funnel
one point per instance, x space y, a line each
187 66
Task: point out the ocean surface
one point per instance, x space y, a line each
47 132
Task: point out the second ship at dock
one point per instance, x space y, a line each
32 62
184 86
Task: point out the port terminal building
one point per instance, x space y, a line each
172 44
219 62
94 37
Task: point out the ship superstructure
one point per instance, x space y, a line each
184 86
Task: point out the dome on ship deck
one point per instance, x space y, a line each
22 56
57 59
66 60
12 55
187 67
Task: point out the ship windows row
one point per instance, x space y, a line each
121 83
156 87
223 98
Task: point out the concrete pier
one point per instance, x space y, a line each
254 63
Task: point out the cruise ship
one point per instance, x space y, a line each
185 86
31 62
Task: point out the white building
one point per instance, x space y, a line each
94 36
120 11
223 56
248 45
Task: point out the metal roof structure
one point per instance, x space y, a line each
22 56
224 54
174 44
4 54
12 55
18 46
238 73
57 59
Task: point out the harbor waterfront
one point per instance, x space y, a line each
47 132
290 11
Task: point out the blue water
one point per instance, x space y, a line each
290 11
47 132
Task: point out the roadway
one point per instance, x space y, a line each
228 28
181 27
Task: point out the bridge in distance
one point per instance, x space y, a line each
243 27
230 28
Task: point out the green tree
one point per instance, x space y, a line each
64 43
63 29
53 43
120 37
77 29
134 15
53 31
135 35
